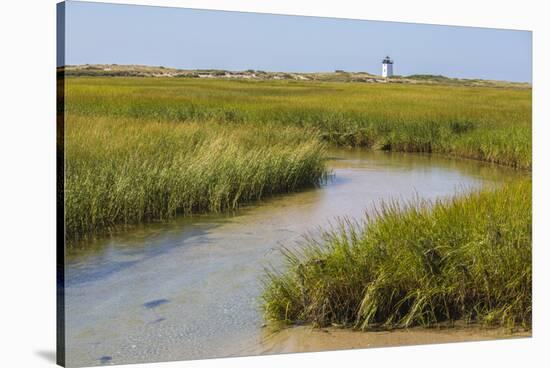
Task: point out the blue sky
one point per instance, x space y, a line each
205 39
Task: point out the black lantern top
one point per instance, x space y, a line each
387 60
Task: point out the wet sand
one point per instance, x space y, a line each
307 339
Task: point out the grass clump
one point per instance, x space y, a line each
125 170
420 264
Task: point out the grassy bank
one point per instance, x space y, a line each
127 170
421 264
489 124
144 149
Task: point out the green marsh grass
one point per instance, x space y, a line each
122 171
468 259
145 149
483 123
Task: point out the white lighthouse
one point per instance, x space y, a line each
387 67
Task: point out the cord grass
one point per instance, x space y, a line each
122 171
483 123
423 263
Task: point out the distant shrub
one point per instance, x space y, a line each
428 77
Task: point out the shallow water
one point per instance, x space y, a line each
189 288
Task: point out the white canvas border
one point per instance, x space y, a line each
27 151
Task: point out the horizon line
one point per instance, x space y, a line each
293 72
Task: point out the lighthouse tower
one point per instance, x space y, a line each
387 67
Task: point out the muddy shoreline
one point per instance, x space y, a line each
301 339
